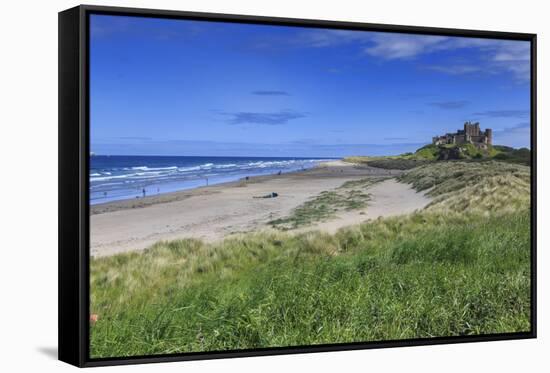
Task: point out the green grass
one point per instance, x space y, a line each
438 272
390 163
351 195
428 152
432 153
393 279
398 164
473 186
506 154
463 152
405 161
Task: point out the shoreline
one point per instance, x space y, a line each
177 195
212 213
156 179
140 202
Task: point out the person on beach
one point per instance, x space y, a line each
270 195
143 191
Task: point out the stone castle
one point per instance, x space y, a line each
471 134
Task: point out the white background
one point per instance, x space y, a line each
28 196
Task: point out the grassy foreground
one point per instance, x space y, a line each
438 272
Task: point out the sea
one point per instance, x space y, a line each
118 177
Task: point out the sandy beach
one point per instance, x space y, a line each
214 212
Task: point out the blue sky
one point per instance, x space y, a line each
175 87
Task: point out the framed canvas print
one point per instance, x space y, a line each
235 186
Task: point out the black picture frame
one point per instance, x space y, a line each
74 150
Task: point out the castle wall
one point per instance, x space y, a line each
460 139
479 139
471 134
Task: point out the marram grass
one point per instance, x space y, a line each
432 273
351 195
482 187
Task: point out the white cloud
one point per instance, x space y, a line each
497 56
403 46
504 55
330 38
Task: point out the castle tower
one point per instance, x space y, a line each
489 135
471 134
471 129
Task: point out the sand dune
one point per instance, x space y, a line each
388 198
214 212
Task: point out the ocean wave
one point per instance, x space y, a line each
230 165
145 168
126 181
139 173
187 169
205 166
264 164
112 177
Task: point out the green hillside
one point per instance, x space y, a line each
432 153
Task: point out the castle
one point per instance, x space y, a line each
471 134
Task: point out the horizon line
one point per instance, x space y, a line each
211 156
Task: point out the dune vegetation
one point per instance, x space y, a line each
351 195
481 187
459 267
